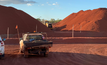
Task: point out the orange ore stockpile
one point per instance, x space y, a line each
89 20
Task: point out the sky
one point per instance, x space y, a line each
53 9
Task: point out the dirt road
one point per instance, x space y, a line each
60 54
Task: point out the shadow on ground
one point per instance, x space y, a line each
55 58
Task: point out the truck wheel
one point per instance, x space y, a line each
25 54
2 57
45 55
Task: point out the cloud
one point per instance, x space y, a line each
55 3
48 3
7 2
29 4
52 3
42 4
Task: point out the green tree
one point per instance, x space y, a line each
38 19
50 21
58 20
54 21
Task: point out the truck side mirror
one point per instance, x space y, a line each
3 39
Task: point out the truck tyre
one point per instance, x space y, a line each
26 54
45 55
2 57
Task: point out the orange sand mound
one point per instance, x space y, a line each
89 20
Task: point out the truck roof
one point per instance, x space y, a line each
33 33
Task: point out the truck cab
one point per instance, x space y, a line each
49 25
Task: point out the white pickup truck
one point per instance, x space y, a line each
34 43
2 48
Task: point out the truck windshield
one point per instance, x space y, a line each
50 26
35 37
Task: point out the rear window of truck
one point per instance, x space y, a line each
35 37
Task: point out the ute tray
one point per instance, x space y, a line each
37 43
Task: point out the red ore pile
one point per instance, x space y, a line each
10 17
89 20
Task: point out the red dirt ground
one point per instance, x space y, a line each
89 20
65 51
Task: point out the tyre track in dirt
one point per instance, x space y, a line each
60 54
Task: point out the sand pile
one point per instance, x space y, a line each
90 20
10 17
